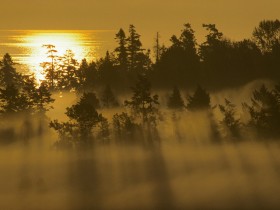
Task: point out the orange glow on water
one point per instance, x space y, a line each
62 40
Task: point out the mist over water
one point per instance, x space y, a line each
184 170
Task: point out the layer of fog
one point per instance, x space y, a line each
186 170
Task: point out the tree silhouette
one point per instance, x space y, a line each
158 48
200 100
175 101
145 61
214 40
216 55
267 37
245 63
104 131
38 96
179 63
61 72
67 76
43 98
20 93
138 61
83 118
267 34
90 98
273 62
87 76
50 67
213 35
108 99
12 101
106 70
121 50
276 92
68 134
187 39
230 123
124 127
264 112
39 100
134 48
8 74
142 104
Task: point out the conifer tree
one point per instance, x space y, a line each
142 103
107 71
21 93
38 96
134 46
179 63
158 49
121 50
230 123
187 40
12 100
90 98
108 99
200 100
124 126
50 68
83 117
8 74
134 49
175 101
87 76
264 112
67 76
104 131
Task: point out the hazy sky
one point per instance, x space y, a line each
236 18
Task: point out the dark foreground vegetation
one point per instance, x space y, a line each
119 124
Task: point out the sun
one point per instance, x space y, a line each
62 40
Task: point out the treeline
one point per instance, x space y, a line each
183 63
216 63
137 118
139 122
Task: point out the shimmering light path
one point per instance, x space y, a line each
26 47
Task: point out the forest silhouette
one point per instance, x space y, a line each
217 63
144 123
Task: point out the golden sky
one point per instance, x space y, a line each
236 18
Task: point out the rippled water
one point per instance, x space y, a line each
25 46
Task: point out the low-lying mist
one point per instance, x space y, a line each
188 167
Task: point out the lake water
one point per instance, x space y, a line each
26 46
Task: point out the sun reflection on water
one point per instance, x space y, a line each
25 46
62 40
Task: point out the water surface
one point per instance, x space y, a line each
25 46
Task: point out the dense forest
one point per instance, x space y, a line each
218 63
